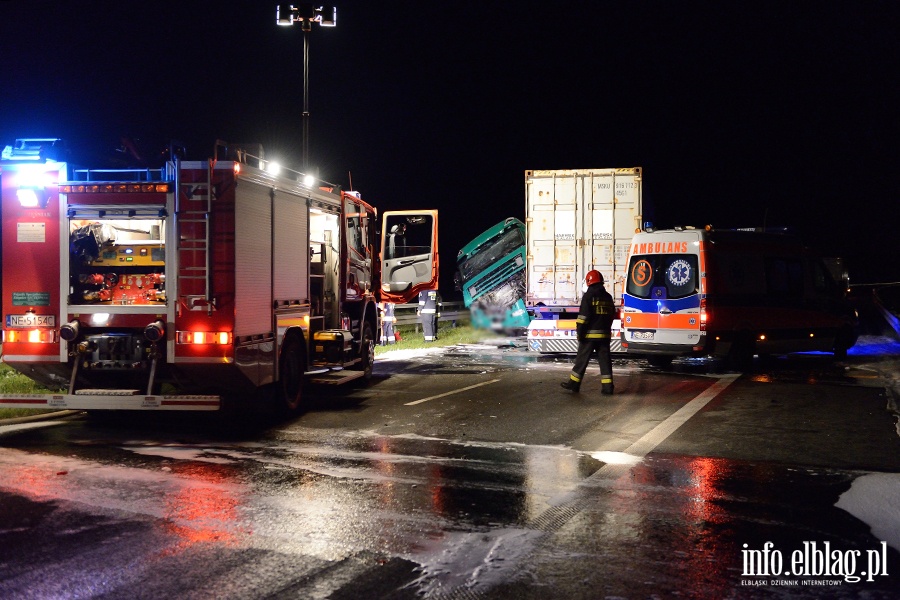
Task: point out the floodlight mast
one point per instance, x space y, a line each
306 14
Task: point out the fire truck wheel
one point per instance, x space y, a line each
367 350
291 375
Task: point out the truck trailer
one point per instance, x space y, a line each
170 288
575 221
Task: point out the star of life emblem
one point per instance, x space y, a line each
679 272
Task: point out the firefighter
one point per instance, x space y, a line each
429 311
595 317
387 323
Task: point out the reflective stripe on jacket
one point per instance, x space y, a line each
596 314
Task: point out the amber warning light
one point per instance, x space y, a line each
113 188
203 337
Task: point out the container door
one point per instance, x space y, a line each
610 208
552 207
409 254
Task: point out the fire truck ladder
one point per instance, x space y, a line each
194 210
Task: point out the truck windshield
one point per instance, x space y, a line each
662 276
489 252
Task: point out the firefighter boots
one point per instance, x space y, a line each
570 385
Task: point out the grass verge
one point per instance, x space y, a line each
13 382
446 336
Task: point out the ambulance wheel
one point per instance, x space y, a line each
367 351
291 375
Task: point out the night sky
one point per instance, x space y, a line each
741 114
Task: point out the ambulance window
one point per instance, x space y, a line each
641 274
680 275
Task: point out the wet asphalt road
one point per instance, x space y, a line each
470 474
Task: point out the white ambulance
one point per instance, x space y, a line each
735 293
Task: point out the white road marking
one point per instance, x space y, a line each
658 434
450 393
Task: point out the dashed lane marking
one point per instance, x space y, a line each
450 393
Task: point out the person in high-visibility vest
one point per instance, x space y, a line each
387 323
593 327
428 312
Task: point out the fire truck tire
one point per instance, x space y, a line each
293 361
367 351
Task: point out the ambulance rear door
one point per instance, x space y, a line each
662 300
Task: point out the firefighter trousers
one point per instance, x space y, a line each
429 326
586 350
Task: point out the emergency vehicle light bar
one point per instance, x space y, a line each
113 188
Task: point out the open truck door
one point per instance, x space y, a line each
409 254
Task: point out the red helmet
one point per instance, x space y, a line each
593 276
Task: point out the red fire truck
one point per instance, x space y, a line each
171 288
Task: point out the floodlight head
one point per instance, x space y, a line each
327 16
306 14
284 14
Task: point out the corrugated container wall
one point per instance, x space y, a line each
578 220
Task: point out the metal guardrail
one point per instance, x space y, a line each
449 311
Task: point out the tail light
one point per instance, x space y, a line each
31 336
221 338
704 316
